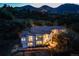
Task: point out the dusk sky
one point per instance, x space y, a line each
33 4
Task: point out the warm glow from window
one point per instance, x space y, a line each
30 38
56 31
38 42
30 44
39 37
45 37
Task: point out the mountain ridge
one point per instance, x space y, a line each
67 8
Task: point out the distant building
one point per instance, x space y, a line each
38 35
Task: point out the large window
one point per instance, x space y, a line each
30 38
23 39
23 42
30 44
39 37
38 42
45 37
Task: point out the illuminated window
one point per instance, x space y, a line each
30 44
23 39
30 38
38 42
45 37
39 37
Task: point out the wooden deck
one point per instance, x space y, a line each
38 51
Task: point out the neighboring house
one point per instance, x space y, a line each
38 35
